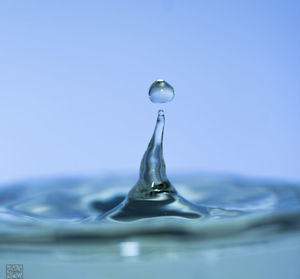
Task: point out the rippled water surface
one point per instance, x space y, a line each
239 211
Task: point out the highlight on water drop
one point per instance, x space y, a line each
161 92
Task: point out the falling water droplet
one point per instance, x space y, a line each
161 92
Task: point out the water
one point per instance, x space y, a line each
161 92
154 195
94 220
238 210
54 227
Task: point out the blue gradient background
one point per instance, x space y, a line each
74 78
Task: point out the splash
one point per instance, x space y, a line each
153 195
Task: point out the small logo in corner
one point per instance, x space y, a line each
14 271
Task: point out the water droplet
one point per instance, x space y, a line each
161 92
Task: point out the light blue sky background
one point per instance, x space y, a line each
74 78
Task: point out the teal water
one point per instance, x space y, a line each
64 208
251 230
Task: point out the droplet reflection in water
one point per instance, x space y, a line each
161 92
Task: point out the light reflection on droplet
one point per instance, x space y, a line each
161 92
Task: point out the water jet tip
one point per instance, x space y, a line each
161 112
